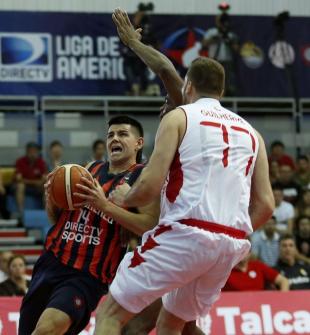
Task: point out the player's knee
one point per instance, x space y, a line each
132 329
50 327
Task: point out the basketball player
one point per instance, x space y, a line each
211 167
83 247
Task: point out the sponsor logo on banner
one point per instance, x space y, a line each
281 54
88 58
26 57
252 55
183 46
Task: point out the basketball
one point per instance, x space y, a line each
63 185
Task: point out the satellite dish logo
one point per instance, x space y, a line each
25 57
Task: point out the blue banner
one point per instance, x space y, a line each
80 54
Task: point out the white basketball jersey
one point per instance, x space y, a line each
210 177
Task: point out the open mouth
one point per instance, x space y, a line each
116 149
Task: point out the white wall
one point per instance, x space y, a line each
242 7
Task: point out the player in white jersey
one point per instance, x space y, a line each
212 170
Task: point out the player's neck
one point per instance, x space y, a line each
120 167
206 96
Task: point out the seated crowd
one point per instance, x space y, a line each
280 255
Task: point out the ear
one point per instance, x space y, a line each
189 88
222 93
140 143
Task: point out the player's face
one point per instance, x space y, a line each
123 143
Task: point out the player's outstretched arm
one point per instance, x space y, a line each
154 59
149 184
262 200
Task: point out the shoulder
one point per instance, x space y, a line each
135 173
91 166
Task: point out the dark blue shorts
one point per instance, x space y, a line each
55 285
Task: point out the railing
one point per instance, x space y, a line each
276 118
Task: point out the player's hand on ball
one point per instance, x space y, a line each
118 195
91 194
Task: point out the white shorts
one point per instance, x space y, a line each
187 266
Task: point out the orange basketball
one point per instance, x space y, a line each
63 185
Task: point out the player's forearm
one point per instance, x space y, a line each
154 59
137 223
52 213
144 191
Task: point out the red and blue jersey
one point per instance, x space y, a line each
87 239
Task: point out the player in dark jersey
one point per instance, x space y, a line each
83 247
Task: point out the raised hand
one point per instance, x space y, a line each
125 29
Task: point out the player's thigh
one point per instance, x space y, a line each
53 322
77 297
144 322
33 304
196 297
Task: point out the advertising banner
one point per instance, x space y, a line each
248 313
80 53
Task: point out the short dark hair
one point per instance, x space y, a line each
30 145
277 143
55 143
124 119
286 237
98 142
207 76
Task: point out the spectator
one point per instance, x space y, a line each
302 176
4 213
30 175
303 236
277 153
291 189
297 273
4 259
265 243
251 275
55 155
99 150
223 44
135 70
274 172
284 211
16 284
303 206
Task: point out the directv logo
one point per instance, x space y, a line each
25 57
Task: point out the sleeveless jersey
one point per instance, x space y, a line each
87 239
210 177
